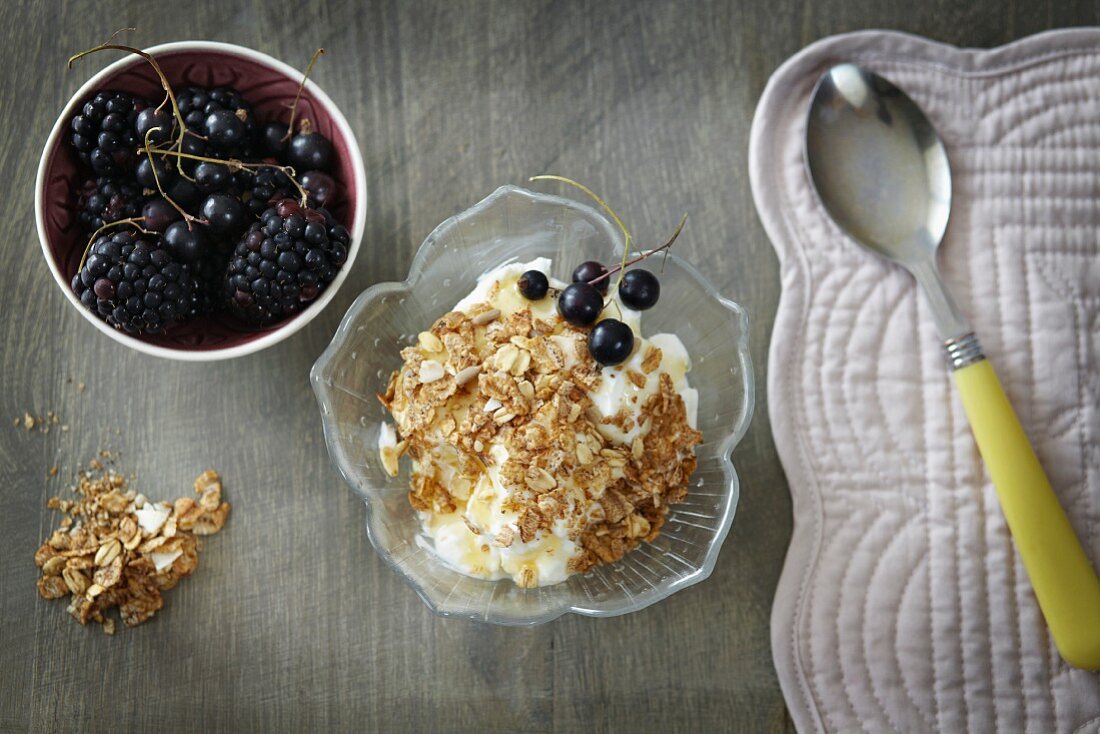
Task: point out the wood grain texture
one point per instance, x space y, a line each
292 623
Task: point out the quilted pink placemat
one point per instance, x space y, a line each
903 605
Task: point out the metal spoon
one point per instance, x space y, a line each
882 173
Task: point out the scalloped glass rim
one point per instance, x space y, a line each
321 378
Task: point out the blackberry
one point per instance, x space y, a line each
106 200
192 245
208 272
271 185
104 132
223 119
283 262
133 283
267 186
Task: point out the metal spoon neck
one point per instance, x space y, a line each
950 323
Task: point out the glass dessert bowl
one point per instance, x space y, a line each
517 225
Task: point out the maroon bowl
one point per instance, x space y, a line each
269 86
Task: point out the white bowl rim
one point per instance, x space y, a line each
358 220
732 479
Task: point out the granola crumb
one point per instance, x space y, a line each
32 422
53 471
102 557
80 387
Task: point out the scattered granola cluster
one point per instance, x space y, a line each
115 548
43 424
510 395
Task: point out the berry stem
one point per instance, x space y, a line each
598 200
668 245
627 238
625 264
91 240
156 179
160 74
294 107
612 302
236 165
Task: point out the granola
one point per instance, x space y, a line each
529 460
115 548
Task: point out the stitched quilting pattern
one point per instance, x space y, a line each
903 604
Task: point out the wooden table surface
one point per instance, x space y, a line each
292 623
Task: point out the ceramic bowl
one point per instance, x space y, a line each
267 84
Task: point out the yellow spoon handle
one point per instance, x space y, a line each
1064 582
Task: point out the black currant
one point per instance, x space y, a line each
309 151
639 289
533 285
210 177
273 139
580 304
588 271
185 243
150 118
321 187
158 214
610 342
225 129
224 214
165 173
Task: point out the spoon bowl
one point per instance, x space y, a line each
878 165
